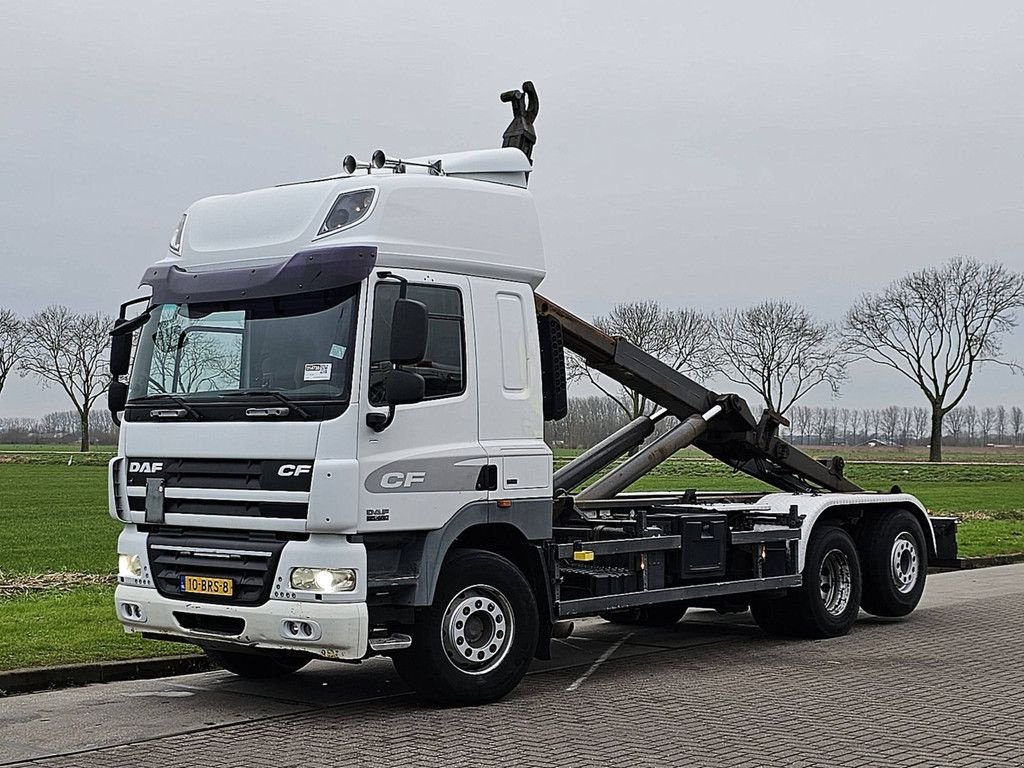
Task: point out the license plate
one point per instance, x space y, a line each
205 585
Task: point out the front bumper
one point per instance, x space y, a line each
339 630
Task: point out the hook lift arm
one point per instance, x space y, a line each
520 132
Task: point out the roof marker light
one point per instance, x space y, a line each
349 209
175 244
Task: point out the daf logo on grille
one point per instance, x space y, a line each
146 467
294 470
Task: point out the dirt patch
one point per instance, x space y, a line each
12 585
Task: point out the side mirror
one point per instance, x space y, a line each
404 387
120 354
408 332
400 388
117 396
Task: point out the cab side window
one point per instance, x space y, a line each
443 368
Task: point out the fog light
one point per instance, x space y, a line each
323 579
129 566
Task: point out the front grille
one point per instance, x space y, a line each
230 508
250 563
223 474
212 473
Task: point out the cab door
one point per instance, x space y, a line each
426 465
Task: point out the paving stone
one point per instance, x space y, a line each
942 688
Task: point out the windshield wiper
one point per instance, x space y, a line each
276 394
188 409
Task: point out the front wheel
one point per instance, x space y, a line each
259 665
827 603
895 556
475 642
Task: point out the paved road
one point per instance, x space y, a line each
943 688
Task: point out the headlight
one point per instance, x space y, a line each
323 579
129 566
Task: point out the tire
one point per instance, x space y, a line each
894 553
829 600
259 665
657 615
475 642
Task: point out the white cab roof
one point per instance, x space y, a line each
478 219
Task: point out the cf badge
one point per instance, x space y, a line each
294 470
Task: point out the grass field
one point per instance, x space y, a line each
53 517
51 448
69 627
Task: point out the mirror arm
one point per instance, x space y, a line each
378 422
403 286
122 325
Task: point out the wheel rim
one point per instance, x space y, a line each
836 581
477 629
903 563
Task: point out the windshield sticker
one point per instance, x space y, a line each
338 351
317 372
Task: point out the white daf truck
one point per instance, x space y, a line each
332 447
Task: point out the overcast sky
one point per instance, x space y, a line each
703 154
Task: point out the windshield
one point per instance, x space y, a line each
298 346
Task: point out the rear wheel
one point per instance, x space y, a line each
829 600
475 642
657 615
259 665
895 557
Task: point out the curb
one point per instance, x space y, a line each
43 678
970 563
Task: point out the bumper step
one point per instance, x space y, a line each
395 642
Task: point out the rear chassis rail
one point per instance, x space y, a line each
631 551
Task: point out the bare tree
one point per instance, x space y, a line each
777 349
680 338
12 343
832 429
871 419
986 421
889 419
854 425
955 420
971 422
60 424
1017 422
844 425
906 421
70 350
1000 424
920 422
798 418
936 326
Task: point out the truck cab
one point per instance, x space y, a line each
253 441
